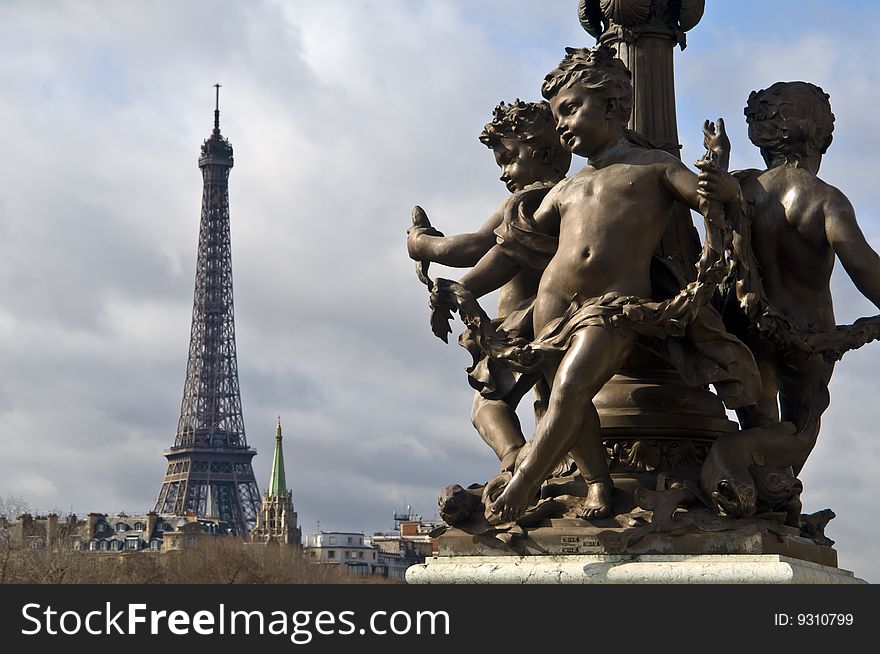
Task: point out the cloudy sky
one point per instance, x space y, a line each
343 115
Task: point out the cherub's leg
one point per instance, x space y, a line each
498 425
803 398
766 411
571 421
589 455
542 397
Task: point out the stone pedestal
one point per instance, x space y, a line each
702 534
627 569
695 547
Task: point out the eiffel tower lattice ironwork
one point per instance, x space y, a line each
209 466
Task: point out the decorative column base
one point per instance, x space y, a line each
627 569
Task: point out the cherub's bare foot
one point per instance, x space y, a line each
515 498
491 491
494 486
597 504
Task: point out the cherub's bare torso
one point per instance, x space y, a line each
610 222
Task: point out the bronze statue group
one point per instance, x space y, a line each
573 259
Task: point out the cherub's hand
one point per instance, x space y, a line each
716 184
417 246
524 358
716 142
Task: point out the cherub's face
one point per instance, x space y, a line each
581 119
519 163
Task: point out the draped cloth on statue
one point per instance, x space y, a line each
683 329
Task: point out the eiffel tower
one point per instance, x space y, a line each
209 466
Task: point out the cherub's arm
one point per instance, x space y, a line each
714 183
458 251
497 268
491 272
859 259
714 193
681 183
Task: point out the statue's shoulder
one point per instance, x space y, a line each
561 187
750 182
833 198
528 199
801 184
747 175
640 154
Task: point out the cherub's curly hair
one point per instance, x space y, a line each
532 123
791 119
597 69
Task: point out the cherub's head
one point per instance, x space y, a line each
591 96
527 148
789 122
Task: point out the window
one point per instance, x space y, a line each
331 554
333 540
360 555
349 540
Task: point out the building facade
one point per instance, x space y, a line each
408 544
348 548
101 533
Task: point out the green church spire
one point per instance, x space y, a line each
277 483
